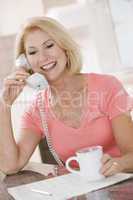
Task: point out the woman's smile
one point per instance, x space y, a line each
48 66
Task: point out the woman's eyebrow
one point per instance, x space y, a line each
46 41
32 47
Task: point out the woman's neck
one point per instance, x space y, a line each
68 82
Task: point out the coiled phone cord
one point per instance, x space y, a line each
41 106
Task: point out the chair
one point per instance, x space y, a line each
46 155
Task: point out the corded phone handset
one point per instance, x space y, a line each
36 80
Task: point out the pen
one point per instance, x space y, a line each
41 192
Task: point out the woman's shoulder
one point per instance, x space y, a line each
102 80
101 77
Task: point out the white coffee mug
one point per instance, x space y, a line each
89 160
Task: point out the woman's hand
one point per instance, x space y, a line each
13 85
110 166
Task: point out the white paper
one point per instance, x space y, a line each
63 187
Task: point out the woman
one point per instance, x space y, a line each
81 109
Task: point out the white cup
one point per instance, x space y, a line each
89 160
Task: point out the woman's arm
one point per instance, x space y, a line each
123 132
8 148
14 156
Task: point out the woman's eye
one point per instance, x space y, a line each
31 53
50 45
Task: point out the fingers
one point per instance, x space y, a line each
110 166
16 78
112 169
21 77
10 93
13 85
11 82
19 72
105 158
23 73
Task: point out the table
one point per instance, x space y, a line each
38 171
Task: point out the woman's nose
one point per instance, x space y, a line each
43 57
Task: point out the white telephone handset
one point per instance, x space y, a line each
36 80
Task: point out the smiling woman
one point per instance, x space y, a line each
54 32
76 110
44 54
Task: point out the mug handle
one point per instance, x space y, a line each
70 169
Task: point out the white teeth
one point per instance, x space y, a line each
48 66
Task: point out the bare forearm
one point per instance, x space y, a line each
8 148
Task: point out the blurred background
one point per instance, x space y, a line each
103 29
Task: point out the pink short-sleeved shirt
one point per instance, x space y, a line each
106 99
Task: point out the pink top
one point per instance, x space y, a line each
106 99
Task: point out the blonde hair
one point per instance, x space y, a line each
58 33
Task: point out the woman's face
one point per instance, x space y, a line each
44 55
